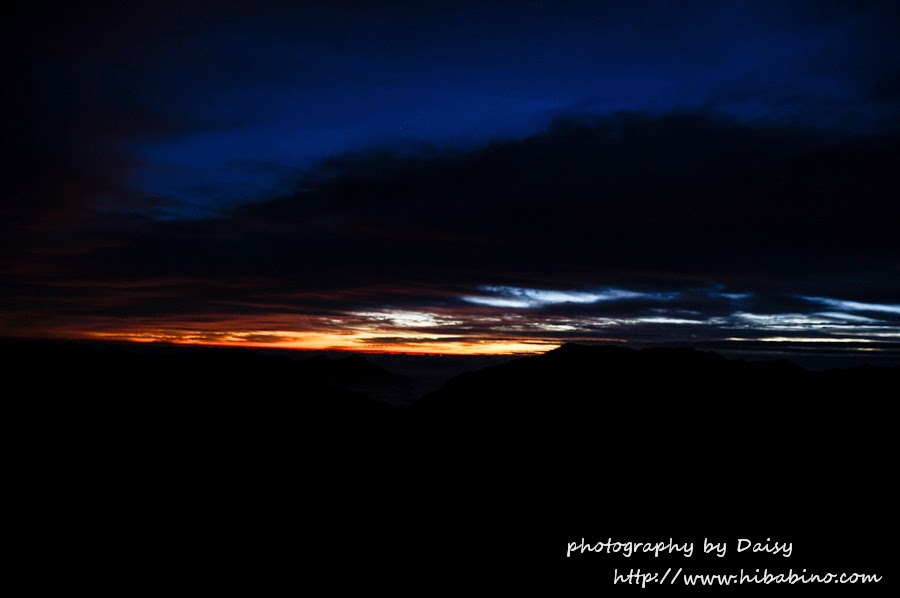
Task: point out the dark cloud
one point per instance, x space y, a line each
687 194
714 216
181 99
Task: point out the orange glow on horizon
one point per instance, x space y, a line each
473 331
329 342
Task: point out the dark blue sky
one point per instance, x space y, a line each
182 167
263 99
215 104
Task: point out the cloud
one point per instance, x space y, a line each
632 227
528 298
878 308
344 173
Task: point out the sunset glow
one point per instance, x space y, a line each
466 327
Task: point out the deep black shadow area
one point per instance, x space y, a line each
244 469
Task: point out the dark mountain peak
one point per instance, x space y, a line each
581 350
597 381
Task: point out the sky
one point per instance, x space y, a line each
466 177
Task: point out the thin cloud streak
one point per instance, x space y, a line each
461 327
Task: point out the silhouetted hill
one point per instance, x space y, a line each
612 441
580 380
226 461
184 375
663 394
665 405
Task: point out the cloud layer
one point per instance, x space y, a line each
419 178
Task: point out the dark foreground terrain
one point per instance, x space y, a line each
206 469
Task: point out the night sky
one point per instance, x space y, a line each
453 177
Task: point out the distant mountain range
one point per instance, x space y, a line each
226 454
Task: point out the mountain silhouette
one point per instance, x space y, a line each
611 440
225 461
663 395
